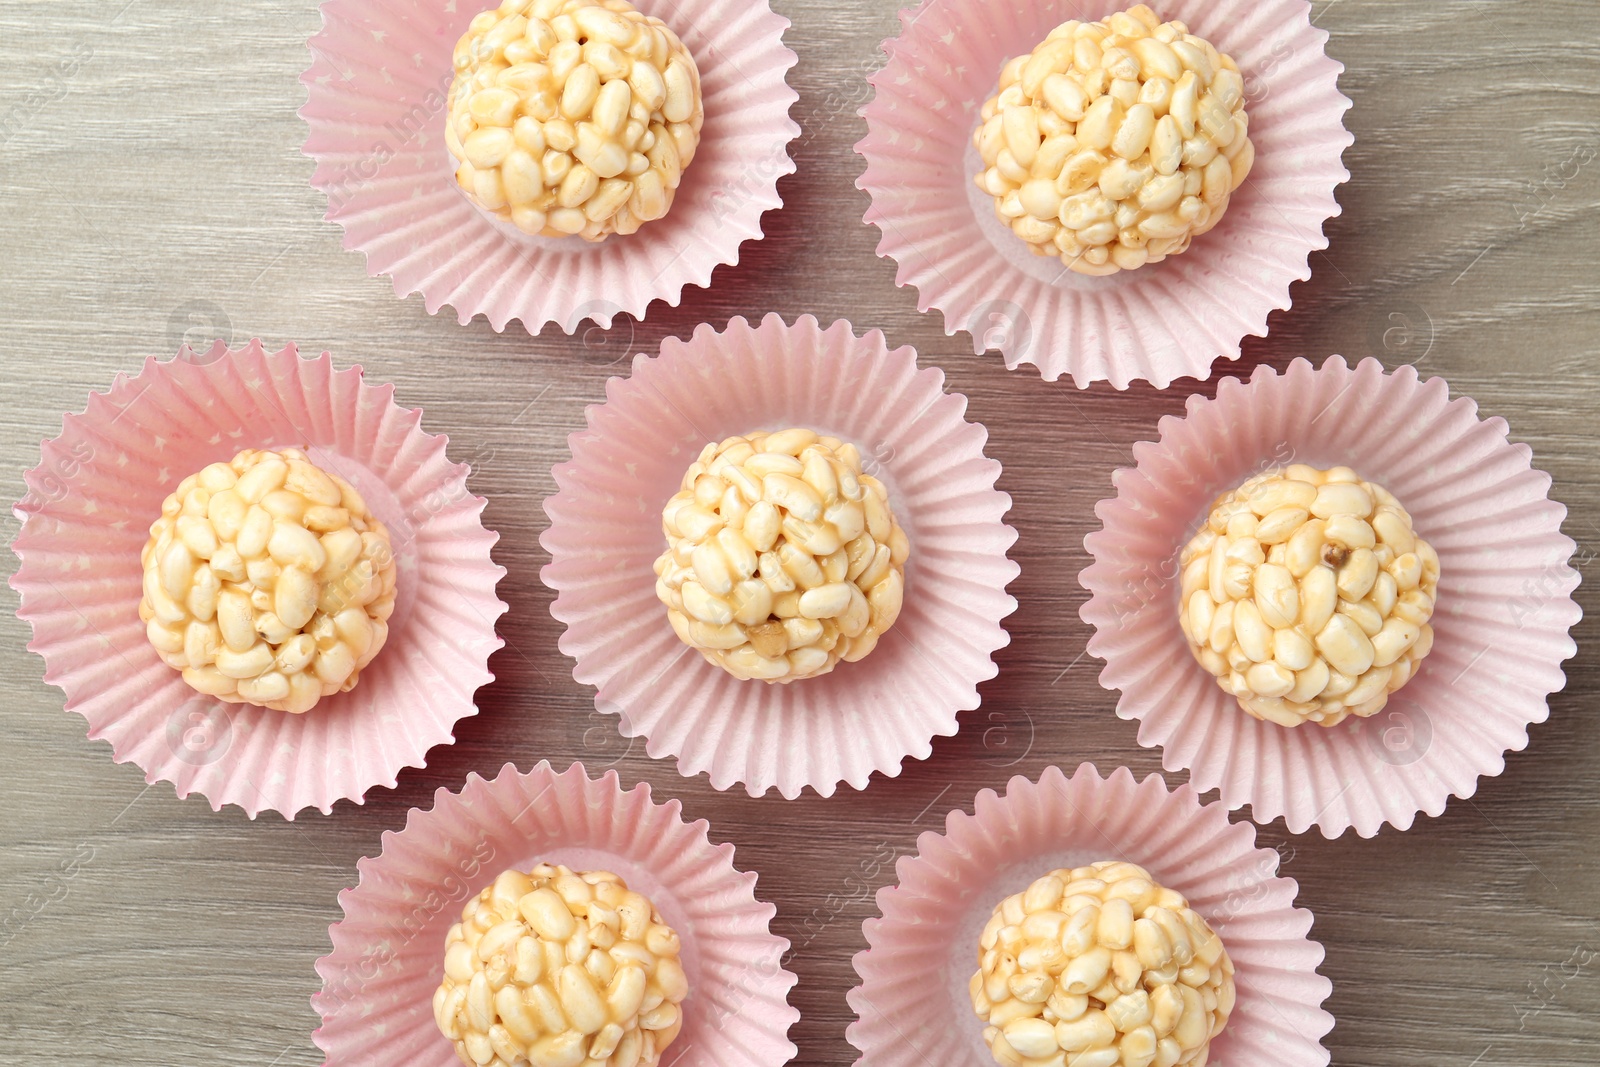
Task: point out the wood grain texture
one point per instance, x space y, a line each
161 190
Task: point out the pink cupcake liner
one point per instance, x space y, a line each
376 1002
86 518
605 534
912 1006
377 86
1500 631
1163 322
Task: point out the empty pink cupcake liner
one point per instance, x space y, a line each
377 103
376 1002
86 518
1156 324
605 534
912 1005
1505 601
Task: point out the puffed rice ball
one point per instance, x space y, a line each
267 581
1115 143
1308 595
1100 967
560 969
782 556
573 116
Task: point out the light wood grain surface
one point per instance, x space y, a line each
158 192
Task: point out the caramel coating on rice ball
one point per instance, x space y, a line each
555 968
573 117
1114 144
1308 594
267 581
1099 967
782 556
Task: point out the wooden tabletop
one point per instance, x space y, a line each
157 192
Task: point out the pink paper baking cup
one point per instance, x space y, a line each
1162 322
912 1006
605 534
376 1001
377 85
86 518
1500 628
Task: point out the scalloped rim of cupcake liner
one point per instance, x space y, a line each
1474 496
1163 322
863 717
926 933
388 948
400 207
88 630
